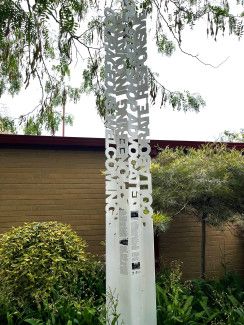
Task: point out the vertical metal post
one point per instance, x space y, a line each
130 274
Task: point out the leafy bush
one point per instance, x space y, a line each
62 311
67 311
39 261
224 298
215 302
91 280
174 305
47 278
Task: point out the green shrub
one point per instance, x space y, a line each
63 311
174 305
39 261
224 297
91 280
213 302
47 278
67 311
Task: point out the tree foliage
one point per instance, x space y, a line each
208 180
43 40
7 125
229 136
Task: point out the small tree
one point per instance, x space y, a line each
208 182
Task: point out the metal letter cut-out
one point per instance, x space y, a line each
130 272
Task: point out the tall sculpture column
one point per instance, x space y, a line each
130 274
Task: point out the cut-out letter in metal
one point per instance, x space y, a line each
130 273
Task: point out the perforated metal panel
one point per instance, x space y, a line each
129 230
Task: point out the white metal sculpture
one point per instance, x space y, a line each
130 274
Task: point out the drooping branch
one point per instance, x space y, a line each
178 100
178 40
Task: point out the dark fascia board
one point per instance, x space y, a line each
93 144
51 142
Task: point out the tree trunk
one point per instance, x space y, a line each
203 245
63 124
156 251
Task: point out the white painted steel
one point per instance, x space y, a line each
130 274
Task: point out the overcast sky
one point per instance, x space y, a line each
222 89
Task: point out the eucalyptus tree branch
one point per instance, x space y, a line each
77 52
182 9
179 42
182 209
86 31
97 77
21 117
55 18
41 85
29 7
77 38
178 100
152 75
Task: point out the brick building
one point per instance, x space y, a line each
55 178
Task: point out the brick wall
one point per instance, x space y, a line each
224 248
68 186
